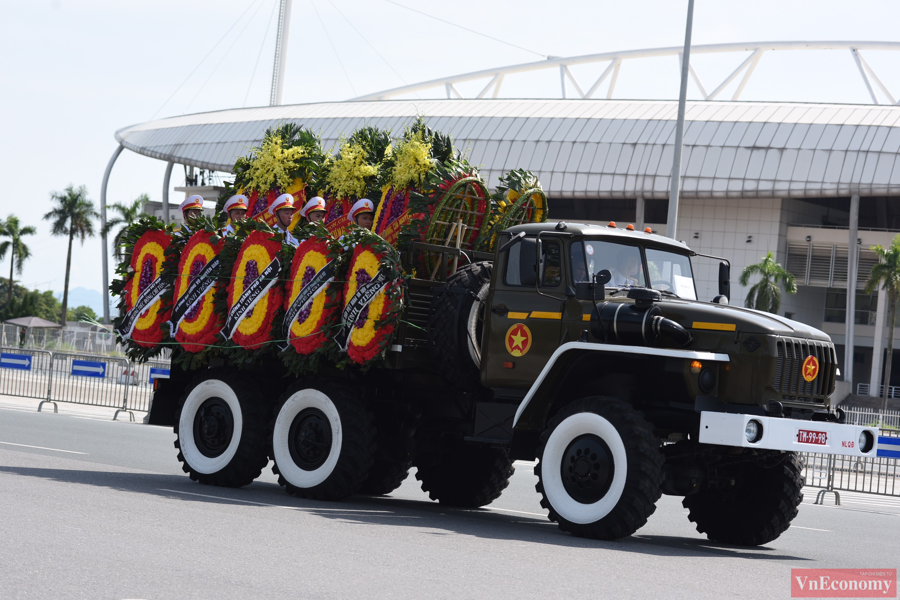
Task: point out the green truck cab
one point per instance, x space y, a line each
583 347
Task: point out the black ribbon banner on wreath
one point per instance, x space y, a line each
312 289
196 290
360 300
150 295
251 295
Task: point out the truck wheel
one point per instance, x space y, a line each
754 503
322 440
469 476
221 430
456 324
394 440
599 468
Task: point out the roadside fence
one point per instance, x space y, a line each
87 340
889 419
79 378
862 389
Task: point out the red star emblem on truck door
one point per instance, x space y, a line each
810 368
518 340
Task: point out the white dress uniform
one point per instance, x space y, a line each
283 201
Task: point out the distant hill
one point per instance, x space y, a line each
81 296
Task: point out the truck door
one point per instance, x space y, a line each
525 317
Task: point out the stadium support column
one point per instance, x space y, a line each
165 197
109 167
852 260
639 212
281 48
878 346
672 220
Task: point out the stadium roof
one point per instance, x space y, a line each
592 148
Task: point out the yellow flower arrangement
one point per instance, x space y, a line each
271 167
412 162
348 173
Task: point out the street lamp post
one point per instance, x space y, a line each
672 219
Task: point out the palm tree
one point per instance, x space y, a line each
73 216
766 293
886 274
19 252
128 214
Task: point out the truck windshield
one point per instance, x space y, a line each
671 272
622 261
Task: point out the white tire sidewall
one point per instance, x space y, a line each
211 388
295 404
472 324
570 428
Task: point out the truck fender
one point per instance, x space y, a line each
541 393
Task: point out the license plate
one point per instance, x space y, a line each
805 436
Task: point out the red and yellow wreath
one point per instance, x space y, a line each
257 252
371 331
337 211
310 329
392 213
147 260
200 324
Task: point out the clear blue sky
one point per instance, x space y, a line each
74 71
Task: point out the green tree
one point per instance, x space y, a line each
81 313
766 293
72 216
127 214
19 252
886 275
28 303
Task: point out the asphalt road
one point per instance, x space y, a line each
91 508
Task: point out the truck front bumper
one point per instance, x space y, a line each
792 435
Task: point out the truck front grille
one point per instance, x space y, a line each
788 377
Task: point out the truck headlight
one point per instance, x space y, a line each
754 431
866 441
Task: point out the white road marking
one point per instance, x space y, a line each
518 512
810 528
43 448
300 508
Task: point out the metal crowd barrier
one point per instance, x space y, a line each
25 373
868 475
79 378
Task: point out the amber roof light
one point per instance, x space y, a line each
612 224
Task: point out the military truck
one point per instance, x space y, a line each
582 347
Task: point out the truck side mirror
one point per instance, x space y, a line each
724 279
601 278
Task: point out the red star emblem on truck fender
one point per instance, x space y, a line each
518 340
810 368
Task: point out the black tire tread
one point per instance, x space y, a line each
776 494
448 325
645 473
251 456
357 448
468 476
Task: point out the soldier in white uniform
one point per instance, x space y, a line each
236 209
283 211
314 210
191 208
363 213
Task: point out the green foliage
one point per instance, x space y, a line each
81 313
127 214
28 303
886 275
766 293
15 245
